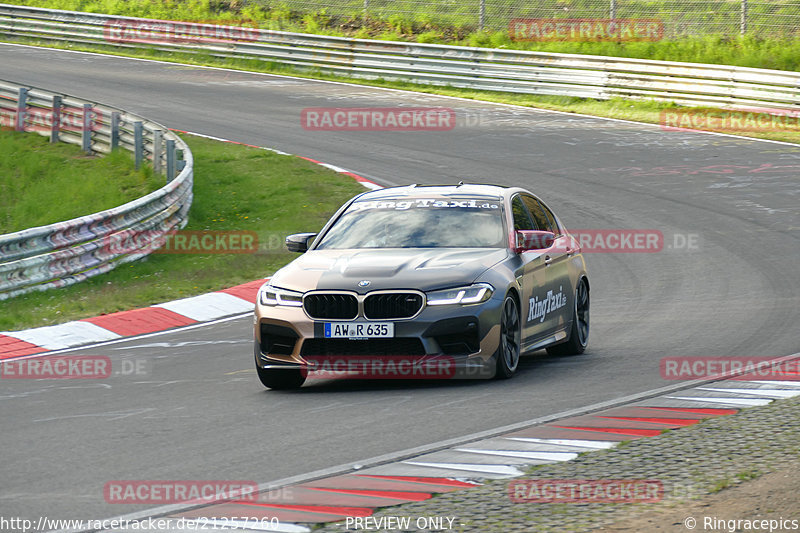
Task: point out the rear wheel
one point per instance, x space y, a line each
280 379
508 350
579 332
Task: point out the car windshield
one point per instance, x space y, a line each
419 223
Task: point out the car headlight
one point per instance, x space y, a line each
474 294
270 295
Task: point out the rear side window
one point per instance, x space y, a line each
551 218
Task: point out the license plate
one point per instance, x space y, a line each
359 330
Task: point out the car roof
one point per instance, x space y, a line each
463 190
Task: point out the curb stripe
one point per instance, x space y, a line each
247 291
766 393
747 402
711 411
619 431
665 421
594 444
392 494
318 509
542 456
443 481
66 335
13 347
139 321
489 469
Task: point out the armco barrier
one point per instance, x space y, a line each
476 68
68 252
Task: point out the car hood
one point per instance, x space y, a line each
410 268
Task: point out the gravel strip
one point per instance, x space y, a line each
690 462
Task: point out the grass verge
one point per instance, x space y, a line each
237 188
34 175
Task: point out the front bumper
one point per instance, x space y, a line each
459 338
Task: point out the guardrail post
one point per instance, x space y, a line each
138 145
22 109
116 118
482 15
157 151
86 128
180 162
170 160
55 122
743 21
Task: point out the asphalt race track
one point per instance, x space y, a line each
201 413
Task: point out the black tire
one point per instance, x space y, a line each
508 350
579 332
280 379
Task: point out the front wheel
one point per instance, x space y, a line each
579 332
508 350
280 379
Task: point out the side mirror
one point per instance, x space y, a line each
299 241
533 240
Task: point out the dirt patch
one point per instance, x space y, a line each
773 496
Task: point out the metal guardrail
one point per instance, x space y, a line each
475 68
67 252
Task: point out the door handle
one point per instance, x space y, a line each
547 260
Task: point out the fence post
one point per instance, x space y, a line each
613 10
366 9
170 159
743 21
115 120
138 145
482 15
22 107
55 123
86 129
157 151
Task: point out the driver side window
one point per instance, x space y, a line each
543 223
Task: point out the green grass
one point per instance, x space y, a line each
442 23
43 183
236 188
